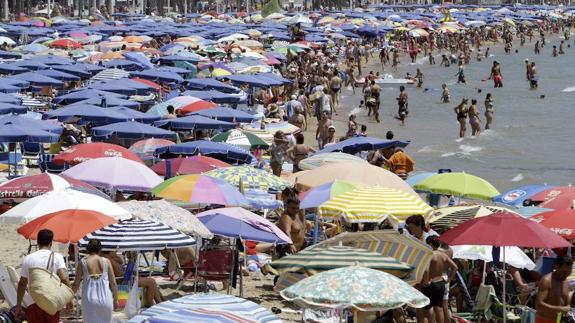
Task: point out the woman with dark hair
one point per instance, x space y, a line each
99 289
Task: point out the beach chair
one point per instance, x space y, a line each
488 305
15 162
215 263
9 285
31 151
47 166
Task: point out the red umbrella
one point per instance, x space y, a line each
82 152
65 43
67 225
558 197
34 185
562 222
153 84
503 229
196 106
190 165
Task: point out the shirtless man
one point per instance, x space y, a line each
292 223
322 127
335 86
434 283
553 296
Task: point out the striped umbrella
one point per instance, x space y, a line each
147 147
450 217
110 74
241 138
312 261
374 204
207 308
318 160
136 235
249 178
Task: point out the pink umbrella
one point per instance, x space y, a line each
36 185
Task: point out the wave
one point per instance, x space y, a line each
468 149
569 89
425 149
518 178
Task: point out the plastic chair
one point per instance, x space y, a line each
31 151
46 165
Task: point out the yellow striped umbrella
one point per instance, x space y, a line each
374 204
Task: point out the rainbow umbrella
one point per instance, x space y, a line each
147 147
199 189
249 178
323 193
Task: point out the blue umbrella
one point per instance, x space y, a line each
214 96
132 130
218 150
236 228
416 178
9 55
139 58
11 69
31 123
10 88
357 144
51 60
104 101
74 70
211 84
122 64
11 132
33 48
7 108
84 94
159 76
194 122
31 65
227 114
86 113
89 67
136 115
123 86
58 75
529 211
177 58
515 197
37 79
8 98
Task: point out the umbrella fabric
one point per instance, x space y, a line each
227 114
104 101
559 197
323 193
312 261
65 44
194 122
199 189
21 129
221 151
86 113
449 217
83 94
374 204
502 230
207 308
389 243
35 185
241 138
236 222
189 165
416 178
355 287
115 173
357 144
68 226
321 159
513 255
357 172
145 148
58 200
132 130
562 222
529 211
516 196
249 178
82 152
458 184
169 214
138 235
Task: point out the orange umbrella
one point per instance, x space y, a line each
65 43
67 225
133 39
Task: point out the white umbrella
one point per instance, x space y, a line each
513 255
299 19
59 200
4 39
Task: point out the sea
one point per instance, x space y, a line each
531 140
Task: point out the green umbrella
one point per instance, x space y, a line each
458 184
355 287
249 178
241 138
312 261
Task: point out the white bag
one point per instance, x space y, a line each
46 289
133 304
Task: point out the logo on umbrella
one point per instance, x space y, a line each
112 153
514 195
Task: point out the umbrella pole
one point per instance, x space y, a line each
484 271
78 305
315 228
504 289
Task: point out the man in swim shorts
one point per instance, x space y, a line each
553 296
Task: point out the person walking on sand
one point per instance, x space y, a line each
99 289
474 120
488 111
461 111
553 298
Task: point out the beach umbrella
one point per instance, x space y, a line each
241 138
10 98
449 217
196 106
227 114
458 184
192 122
37 79
415 178
249 178
513 255
6 40
9 55
132 130
65 43
313 261
11 131
178 103
138 235
558 197
374 204
321 159
58 200
188 165
562 222
357 172
199 189
86 113
9 108
529 211
224 152
145 148
236 222
135 115
323 193
35 185
517 196
82 152
356 287
85 94
58 75
169 214
68 226
357 144
115 173
105 101
209 307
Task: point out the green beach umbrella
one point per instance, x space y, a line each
249 178
355 287
241 138
313 261
458 184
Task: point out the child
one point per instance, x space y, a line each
445 97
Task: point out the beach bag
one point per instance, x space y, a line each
133 304
46 289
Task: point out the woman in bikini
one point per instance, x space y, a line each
461 111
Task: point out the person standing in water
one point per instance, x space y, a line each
527 70
445 97
488 111
402 105
460 74
474 120
496 75
534 77
419 77
461 111
537 48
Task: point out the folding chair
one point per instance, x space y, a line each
46 165
31 151
216 263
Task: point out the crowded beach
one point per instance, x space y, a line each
256 167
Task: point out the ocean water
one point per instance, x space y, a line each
531 140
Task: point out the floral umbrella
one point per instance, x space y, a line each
249 178
354 287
